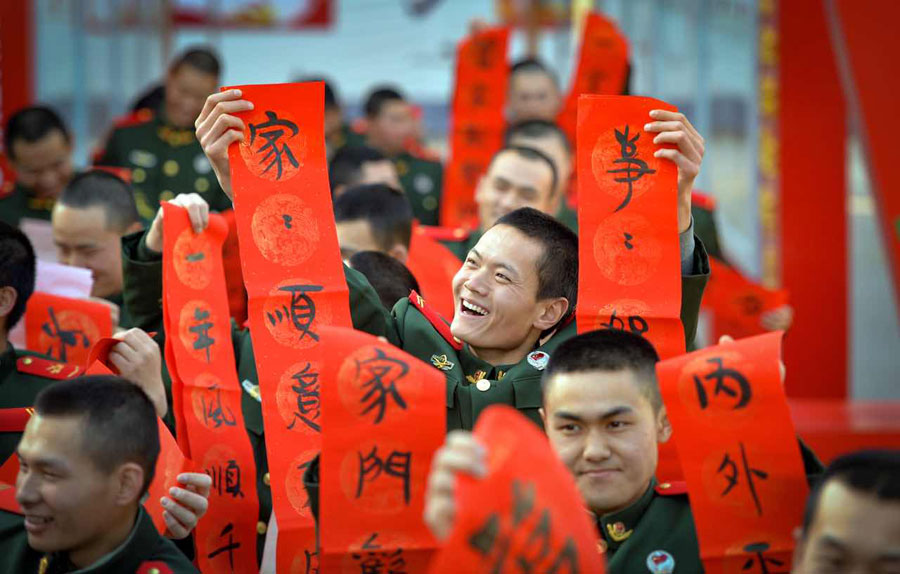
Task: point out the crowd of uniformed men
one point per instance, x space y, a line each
88 451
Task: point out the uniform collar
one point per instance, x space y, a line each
476 369
617 527
127 557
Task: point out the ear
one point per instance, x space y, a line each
550 311
663 426
8 298
399 252
129 479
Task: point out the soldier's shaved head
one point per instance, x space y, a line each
17 272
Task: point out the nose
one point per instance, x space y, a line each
26 489
596 447
476 282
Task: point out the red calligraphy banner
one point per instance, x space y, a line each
629 273
205 389
738 303
479 100
602 67
295 282
434 267
739 452
525 515
65 328
383 417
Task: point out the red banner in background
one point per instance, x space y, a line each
383 418
478 121
65 328
525 515
293 274
629 259
434 267
745 477
737 303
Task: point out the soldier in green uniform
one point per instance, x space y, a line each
360 165
87 457
534 92
159 146
39 148
373 217
390 127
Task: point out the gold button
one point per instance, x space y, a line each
429 203
483 385
26 361
166 195
602 546
138 175
201 184
266 479
170 168
261 528
665 485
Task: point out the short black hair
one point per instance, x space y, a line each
391 279
100 188
120 423
331 99
558 266
872 472
32 124
345 168
386 209
538 129
608 350
534 66
17 270
531 154
379 97
201 58
150 99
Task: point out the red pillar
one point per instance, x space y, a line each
813 199
16 65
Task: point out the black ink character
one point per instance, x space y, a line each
731 475
636 324
272 131
397 464
66 337
758 549
213 411
378 561
307 390
201 330
230 547
634 169
743 392
302 310
382 372
227 479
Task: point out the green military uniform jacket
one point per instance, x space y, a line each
143 552
18 201
462 242
164 161
422 180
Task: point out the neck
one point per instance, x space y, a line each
506 356
600 512
107 542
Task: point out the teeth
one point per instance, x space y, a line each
474 308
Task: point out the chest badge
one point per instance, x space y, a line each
441 362
538 360
618 532
252 389
660 562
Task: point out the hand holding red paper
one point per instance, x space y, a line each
218 128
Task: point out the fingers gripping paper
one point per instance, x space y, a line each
526 515
739 453
296 286
629 274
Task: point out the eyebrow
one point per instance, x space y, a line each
613 412
50 462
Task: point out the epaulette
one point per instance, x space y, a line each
435 319
14 419
444 233
703 201
671 488
47 368
141 116
154 567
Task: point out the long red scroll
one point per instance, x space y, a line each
206 393
295 283
526 515
737 303
629 260
65 328
479 99
602 67
383 418
739 453
434 267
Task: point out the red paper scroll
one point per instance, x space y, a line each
739 452
384 417
295 282
629 260
434 267
738 303
602 67
527 508
479 100
205 390
65 328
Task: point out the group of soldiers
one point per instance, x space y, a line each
88 446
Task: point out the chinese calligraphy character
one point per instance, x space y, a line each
759 549
302 311
628 238
67 338
383 372
201 330
312 561
214 411
272 131
307 390
230 547
484 52
288 221
721 374
195 257
479 95
473 135
636 324
397 464
634 169
732 476
377 561
226 479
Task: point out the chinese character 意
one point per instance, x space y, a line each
378 561
397 464
379 375
743 393
729 469
634 169
66 337
307 390
273 152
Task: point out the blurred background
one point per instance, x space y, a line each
90 59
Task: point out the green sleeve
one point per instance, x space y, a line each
366 310
142 287
706 229
692 287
